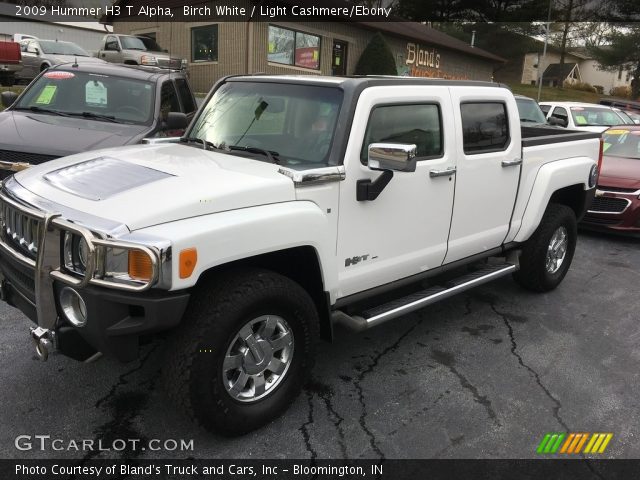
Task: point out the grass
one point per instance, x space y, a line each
556 94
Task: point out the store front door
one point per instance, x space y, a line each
339 58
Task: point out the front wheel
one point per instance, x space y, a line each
547 255
245 351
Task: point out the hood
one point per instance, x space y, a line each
57 59
147 185
41 133
620 172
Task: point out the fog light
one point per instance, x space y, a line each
73 307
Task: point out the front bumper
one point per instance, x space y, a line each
614 211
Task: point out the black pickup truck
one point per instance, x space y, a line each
74 108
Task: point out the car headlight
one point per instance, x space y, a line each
148 60
76 253
593 176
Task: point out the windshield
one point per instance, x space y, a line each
530 111
61 48
621 142
132 43
150 44
84 94
594 116
296 122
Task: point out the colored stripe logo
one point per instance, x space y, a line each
573 443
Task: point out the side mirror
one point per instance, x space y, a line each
557 121
388 157
176 121
8 98
392 156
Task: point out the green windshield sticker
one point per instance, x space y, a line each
46 95
580 120
605 146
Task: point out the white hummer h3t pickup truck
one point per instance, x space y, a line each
291 204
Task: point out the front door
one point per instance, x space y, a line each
404 230
339 58
488 171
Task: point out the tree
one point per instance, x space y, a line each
622 52
377 58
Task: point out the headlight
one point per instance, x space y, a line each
593 176
76 253
148 60
88 258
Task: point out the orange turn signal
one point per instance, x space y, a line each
140 265
188 260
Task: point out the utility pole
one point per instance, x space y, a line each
544 51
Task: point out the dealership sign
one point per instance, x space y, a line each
419 57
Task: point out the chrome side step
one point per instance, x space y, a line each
396 308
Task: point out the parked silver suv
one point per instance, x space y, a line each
38 55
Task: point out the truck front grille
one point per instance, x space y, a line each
32 158
20 231
609 205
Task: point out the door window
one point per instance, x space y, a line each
485 127
406 124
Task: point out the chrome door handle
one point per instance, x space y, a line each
512 163
442 173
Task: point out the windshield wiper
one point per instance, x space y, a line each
270 154
43 110
205 143
97 116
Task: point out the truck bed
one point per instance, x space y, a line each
532 136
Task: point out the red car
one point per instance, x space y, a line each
616 205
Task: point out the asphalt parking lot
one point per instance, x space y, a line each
482 375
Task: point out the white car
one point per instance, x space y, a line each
583 116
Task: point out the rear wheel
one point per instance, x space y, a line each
245 351
547 255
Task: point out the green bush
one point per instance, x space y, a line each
377 58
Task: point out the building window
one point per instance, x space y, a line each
204 44
290 47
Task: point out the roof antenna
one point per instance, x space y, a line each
75 63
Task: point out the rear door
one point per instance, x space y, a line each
488 169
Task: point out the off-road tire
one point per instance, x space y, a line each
218 308
533 274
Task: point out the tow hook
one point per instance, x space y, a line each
43 340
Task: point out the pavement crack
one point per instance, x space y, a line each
536 376
122 378
446 359
304 428
357 383
326 393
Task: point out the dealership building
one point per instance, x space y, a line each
215 48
